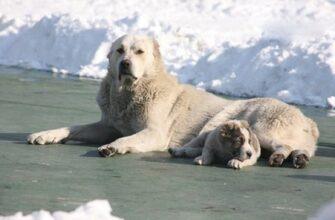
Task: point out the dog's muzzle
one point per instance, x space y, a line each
125 69
243 156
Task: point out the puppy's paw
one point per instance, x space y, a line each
276 159
234 163
176 152
300 161
172 151
44 137
198 160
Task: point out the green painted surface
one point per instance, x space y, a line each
138 186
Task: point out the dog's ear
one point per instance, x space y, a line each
156 51
109 54
244 123
227 130
254 140
224 131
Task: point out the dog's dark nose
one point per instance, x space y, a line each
249 154
125 64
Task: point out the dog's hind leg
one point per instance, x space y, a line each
279 151
191 149
279 154
300 158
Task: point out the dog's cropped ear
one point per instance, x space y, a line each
109 55
156 51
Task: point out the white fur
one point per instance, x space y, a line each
154 111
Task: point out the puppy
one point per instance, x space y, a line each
232 143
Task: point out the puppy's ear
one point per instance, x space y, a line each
244 123
254 140
226 130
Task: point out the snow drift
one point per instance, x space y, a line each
282 49
326 212
94 210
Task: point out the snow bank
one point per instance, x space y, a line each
326 212
282 49
94 210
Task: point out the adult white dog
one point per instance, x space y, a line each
145 109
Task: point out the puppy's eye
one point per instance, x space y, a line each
239 141
139 51
120 50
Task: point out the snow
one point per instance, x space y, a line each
282 49
94 210
326 212
331 102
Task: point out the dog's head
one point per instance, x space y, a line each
134 57
237 135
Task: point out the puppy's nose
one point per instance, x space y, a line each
125 63
249 154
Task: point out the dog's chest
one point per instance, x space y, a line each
129 112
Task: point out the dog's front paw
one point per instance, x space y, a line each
235 163
276 159
106 150
300 161
110 150
44 137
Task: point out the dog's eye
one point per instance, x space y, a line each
239 141
120 50
139 51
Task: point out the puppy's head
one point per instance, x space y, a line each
133 57
238 137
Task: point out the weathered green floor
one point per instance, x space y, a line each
141 186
